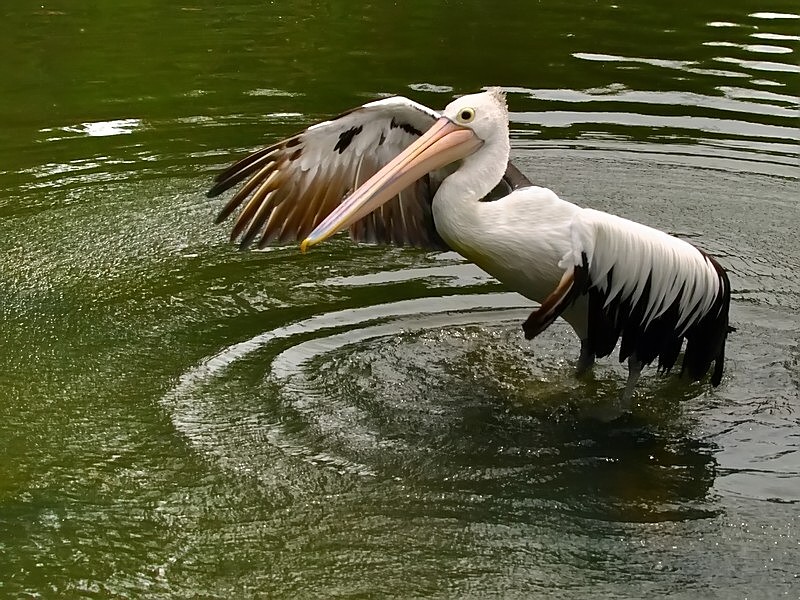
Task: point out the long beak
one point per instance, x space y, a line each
444 143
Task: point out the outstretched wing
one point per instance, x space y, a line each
294 184
291 186
649 288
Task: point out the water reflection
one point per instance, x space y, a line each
773 15
760 65
752 47
775 36
96 129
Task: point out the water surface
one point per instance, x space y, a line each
181 419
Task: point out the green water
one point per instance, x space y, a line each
180 419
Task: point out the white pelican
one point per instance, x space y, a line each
394 171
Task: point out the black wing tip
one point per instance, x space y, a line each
248 237
221 184
244 167
226 212
245 239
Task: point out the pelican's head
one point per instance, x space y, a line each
486 114
465 126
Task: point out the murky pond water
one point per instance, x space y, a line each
180 419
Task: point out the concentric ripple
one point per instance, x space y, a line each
249 371
441 392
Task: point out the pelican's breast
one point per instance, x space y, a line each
518 239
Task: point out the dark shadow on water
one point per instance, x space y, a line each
645 466
630 469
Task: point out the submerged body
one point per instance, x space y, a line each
395 171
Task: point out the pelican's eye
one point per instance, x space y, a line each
465 115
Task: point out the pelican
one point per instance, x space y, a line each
395 171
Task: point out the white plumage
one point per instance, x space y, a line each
635 252
398 172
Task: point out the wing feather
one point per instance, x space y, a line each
243 168
649 288
292 185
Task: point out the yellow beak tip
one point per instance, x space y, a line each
304 245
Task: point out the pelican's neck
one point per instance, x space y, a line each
478 173
456 205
